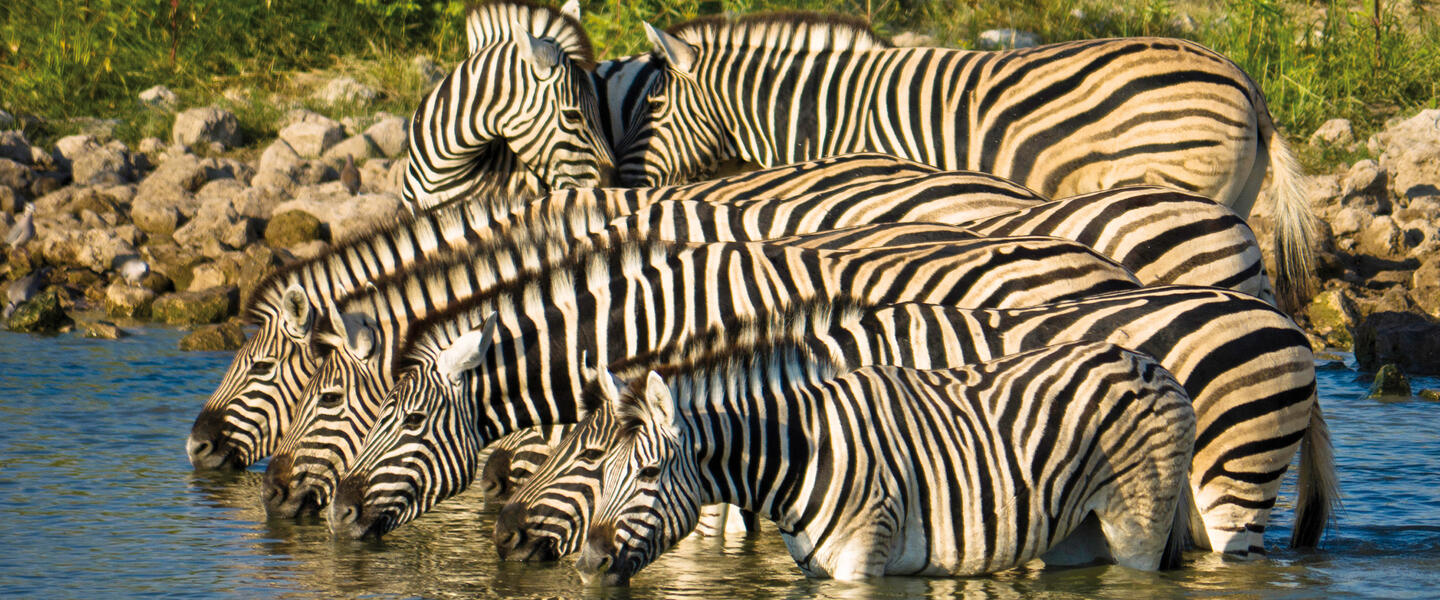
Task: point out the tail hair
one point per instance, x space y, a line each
1317 486
1296 228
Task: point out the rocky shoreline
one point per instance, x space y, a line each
174 232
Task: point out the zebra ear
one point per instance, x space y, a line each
467 351
679 55
295 312
359 335
660 410
542 55
571 9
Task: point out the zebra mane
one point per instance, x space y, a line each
729 367
789 30
266 293
490 22
432 334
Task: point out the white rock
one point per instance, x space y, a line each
357 147
208 125
161 98
278 157
71 146
428 71
310 139
151 145
390 134
1003 39
1335 132
911 39
345 90
345 215
1350 220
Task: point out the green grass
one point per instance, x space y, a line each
66 59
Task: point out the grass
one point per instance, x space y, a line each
1366 61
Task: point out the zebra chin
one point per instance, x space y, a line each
350 517
514 541
287 496
599 563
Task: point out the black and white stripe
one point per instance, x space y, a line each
1246 365
1061 119
457 397
1072 453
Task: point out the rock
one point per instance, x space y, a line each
1004 39
183 170
1408 340
278 157
1390 383
1332 314
1431 395
357 147
1382 238
343 214
41 314
226 168
256 202
102 330
14 175
1425 285
1364 186
221 336
195 308
154 215
209 275
6 120
173 262
1350 220
14 146
1335 132
100 249
160 98
108 164
345 90
428 71
216 228
1412 154
390 134
46 183
292 228
204 126
71 146
151 145
911 39
311 139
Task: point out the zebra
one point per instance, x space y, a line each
251 409
1062 119
1072 454
518 116
623 301
342 401
515 457
1234 354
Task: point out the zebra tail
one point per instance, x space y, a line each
1296 228
1179 538
1317 485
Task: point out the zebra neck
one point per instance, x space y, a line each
759 440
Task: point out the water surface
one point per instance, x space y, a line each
99 501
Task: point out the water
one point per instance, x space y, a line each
98 500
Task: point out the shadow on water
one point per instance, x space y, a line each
100 502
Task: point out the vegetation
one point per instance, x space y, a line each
68 58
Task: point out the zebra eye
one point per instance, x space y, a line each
570 115
592 454
414 419
650 473
330 399
261 368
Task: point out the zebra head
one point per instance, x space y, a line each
652 492
422 448
682 137
336 410
547 516
525 93
245 417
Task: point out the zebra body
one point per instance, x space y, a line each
616 303
249 412
1062 119
1247 367
518 115
886 470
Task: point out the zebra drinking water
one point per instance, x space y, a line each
1073 454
